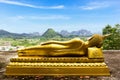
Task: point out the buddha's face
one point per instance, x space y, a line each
95 41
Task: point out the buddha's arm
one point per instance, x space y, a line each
55 42
62 42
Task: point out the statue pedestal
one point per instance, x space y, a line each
82 66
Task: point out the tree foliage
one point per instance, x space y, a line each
113 41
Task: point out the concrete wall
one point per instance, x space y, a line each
6 55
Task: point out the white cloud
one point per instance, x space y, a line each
95 5
51 17
19 17
47 17
3 25
30 5
15 18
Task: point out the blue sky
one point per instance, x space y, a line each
38 15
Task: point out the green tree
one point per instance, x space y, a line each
113 41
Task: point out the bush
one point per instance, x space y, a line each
2 65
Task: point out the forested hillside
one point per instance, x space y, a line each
49 33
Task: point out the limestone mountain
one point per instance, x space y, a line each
50 33
81 32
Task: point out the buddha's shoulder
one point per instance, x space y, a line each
77 39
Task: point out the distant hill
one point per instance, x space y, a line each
6 34
65 33
50 33
81 32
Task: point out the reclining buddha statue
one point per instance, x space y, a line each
73 47
72 57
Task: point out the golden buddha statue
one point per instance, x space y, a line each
73 47
56 58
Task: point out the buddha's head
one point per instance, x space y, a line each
96 40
